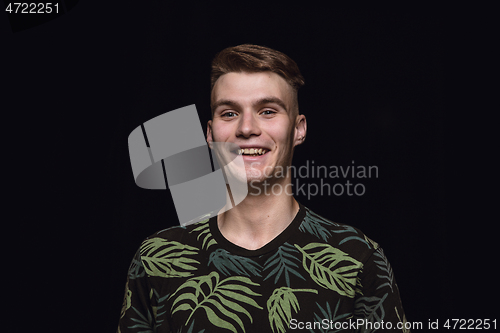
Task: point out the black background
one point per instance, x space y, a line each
79 84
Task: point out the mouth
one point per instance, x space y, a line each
251 151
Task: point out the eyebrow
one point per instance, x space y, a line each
264 100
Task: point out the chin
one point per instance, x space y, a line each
251 174
255 176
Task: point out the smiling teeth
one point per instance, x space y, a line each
252 151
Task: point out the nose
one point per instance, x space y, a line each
248 125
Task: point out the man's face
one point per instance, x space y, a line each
255 111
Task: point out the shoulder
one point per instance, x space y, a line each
179 231
185 235
175 251
346 238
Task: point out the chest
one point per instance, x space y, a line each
270 293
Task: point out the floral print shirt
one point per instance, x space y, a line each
316 276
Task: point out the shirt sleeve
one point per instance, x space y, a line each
137 314
378 307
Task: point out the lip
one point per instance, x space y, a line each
254 146
252 158
251 146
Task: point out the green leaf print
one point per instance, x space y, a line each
203 227
371 309
224 261
327 314
330 267
136 269
349 229
127 300
322 228
384 265
190 329
159 309
280 306
316 225
168 258
373 243
402 321
143 321
283 262
226 296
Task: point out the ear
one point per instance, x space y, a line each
300 129
210 138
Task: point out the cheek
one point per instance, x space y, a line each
282 139
220 133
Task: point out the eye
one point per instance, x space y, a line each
228 114
268 112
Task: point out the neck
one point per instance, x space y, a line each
258 219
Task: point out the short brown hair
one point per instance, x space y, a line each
255 58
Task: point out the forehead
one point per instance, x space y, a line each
246 87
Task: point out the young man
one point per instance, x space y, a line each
269 264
